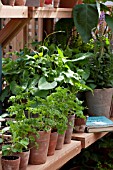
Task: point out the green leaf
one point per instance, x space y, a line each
85 19
1 140
5 93
44 85
109 21
15 88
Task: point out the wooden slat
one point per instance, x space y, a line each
60 157
40 29
48 12
13 11
11 30
88 138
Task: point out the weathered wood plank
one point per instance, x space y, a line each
12 28
88 138
60 157
7 11
48 12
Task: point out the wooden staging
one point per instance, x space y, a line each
60 157
7 11
88 138
45 12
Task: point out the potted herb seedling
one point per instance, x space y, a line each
80 118
64 101
17 148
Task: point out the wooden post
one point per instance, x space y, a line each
40 29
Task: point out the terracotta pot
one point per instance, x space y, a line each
39 155
11 2
69 3
68 134
24 158
79 125
56 3
48 2
42 2
10 162
20 2
35 3
52 143
60 141
4 2
99 102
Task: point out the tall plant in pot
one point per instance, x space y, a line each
99 62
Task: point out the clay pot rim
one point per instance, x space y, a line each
6 158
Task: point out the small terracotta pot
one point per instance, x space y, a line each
69 3
52 143
39 155
4 2
11 2
24 158
56 3
10 162
60 141
79 125
68 134
42 2
34 3
20 2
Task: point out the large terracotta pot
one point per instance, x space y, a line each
99 102
38 155
69 3
10 162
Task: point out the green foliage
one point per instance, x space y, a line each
85 18
62 38
37 72
19 140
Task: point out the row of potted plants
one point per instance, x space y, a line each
35 121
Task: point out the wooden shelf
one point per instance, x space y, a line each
34 12
88 138
13 11
60 157
45 12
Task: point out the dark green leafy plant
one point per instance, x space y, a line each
38 72
86 17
